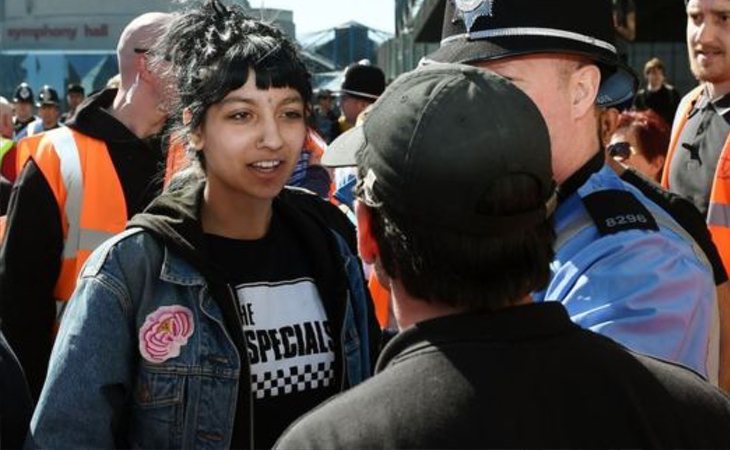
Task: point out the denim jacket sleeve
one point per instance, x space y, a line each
86 389
362 317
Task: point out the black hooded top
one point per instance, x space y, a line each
174 219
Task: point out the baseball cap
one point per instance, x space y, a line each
438 140
363 80
483 30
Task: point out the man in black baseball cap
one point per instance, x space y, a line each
623 267
455 193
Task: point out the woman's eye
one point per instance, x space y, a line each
240 115
295 115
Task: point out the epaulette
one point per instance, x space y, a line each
615 210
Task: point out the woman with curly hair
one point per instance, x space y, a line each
232 305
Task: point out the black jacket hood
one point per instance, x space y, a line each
174 218
93 119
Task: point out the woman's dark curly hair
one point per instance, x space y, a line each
208 51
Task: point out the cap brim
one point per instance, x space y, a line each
342 152
619 86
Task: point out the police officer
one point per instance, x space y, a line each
49 111
23 104
623 267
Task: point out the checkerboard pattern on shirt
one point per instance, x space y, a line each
299 379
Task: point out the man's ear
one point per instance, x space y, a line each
584 84
657 164
608 122
366 245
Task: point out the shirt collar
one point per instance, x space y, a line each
721 105
579 178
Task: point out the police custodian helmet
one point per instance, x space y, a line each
48 96
23 94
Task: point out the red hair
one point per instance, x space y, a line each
651 131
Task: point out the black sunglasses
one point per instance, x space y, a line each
141 50
620 151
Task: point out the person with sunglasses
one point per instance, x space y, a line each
640 141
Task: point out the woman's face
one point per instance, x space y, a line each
251 140
634 157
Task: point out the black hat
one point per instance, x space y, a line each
47 96
363 80
23 94
324 93
438 139
482 30
75 87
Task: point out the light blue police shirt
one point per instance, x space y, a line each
650 290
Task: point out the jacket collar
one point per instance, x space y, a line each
536 321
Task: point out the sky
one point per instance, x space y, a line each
318 15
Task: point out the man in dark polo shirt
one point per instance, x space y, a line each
460 238
698 161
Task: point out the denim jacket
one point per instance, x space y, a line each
101 393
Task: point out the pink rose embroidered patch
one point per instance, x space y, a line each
164 332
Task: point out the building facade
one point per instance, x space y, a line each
660 29
57 42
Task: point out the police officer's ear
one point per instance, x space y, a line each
195 138
584 84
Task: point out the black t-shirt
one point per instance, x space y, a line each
290 344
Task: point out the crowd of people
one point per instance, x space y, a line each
509 246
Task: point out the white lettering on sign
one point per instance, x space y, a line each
59 32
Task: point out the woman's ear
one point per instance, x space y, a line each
196 136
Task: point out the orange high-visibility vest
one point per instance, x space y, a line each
89 196
177 158
26 147
718 213
23 150
381 300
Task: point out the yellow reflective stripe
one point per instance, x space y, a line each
65 145
718 214
5 146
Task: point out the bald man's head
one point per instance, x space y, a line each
6 118
138 37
